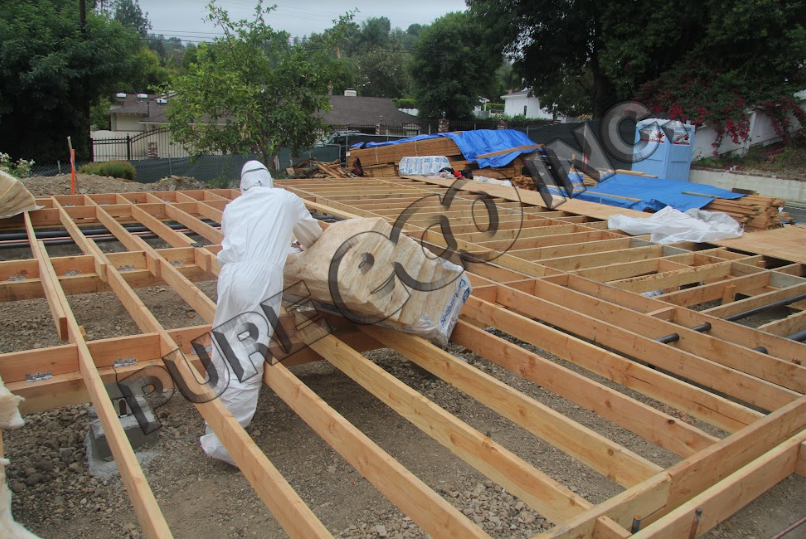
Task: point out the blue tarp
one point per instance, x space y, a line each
654 193
478 142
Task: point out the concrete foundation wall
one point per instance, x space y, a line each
789 190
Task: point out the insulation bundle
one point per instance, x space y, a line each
355 259
14 197
9 418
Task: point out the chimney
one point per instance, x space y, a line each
349 92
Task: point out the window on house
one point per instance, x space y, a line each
524 109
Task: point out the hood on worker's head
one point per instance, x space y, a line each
255 173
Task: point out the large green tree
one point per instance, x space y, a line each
129 14
749 54
742 48
451 69
50 71
252 90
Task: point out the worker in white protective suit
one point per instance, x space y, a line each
258 227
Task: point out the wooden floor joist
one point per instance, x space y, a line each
560 282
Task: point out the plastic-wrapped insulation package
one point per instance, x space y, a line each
356 270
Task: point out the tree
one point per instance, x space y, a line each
733 45
451 69
382 74
549 41
251 91
375 33
749 55
50 73
129 14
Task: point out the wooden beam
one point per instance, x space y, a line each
535 488
47 277
728 496
711 408
525 148
736 307
771 369
606 457
687 479
702 371
643 420
785 326
425 507
145 504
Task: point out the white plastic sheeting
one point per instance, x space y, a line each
427 165
670 225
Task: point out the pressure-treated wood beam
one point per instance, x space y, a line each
606 457
145 504
281 499
645 421
535 488
711 408
425 507
729 495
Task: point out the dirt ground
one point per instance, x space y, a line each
57 497
90 184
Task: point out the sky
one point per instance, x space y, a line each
183 18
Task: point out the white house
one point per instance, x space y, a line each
519 103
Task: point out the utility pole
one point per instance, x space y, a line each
83 16
85 95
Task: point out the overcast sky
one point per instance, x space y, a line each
183 18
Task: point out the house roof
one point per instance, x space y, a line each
522 93
131 104
364 111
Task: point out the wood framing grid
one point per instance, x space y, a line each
560 281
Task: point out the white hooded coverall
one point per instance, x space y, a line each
258 227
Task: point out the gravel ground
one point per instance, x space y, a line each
57 497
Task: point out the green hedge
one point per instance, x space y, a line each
116 169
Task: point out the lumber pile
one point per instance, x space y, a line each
387 158
367 281
393 153
311 168
755 212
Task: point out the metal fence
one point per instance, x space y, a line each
206 168
153 144
155 155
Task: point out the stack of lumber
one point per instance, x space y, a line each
388 157
388 170
524 182
755 212
393 153
367 282
311 168
333 169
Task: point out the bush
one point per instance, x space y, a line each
116 169
20 169
405 103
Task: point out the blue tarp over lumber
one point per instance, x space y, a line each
478 142
653 193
